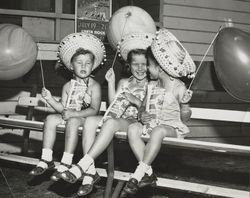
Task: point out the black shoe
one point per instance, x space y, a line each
131 186
40 170
87 188
57 175
148 180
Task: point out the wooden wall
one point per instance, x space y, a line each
195 22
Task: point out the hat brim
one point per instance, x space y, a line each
171 55
72 42
134 40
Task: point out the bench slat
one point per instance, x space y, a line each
181 143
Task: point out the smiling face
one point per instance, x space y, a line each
138 66
83 65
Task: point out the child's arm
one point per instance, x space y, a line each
94 107
110 77
184 97
58 106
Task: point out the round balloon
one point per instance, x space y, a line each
126 20
232 62
18 52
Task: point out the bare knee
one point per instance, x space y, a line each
134 131
74 122
157 134
91 122
110 126
52 120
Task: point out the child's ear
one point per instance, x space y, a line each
71 67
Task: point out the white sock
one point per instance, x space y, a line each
47 154
66 159
84 163
149 171
87 179
140 171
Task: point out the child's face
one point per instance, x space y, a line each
153 69
82 65
139 66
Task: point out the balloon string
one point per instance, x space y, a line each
202 60
41 67
42 75
116 53
6 181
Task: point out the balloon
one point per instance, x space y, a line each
232 62
126 20
18 52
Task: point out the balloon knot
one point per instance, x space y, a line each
128 14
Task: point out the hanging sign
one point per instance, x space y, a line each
93 16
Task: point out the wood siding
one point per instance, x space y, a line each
195 22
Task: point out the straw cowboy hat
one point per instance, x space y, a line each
171 55
134 40
72 42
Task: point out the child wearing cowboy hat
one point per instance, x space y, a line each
123 110
81 53
165 108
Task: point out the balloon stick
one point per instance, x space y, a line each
205 56
116 53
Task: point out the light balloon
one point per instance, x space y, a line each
126 20
18 52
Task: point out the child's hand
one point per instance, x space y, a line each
46 94
146 117
187 96
67 113
110 75
132 99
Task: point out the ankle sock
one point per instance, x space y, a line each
84 163
66 159
149 171
47 154
140 171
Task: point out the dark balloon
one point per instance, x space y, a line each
232 62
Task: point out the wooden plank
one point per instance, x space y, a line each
231 5
200 26
199 145
35 125
220 114
161 183
205 14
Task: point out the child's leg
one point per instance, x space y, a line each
151 150
49 131
138 146
49 136
108 130
101 143
89 132
134 138
154 144
88 137
71 140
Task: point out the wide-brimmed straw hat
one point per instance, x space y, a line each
72 42
134 40
171 55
